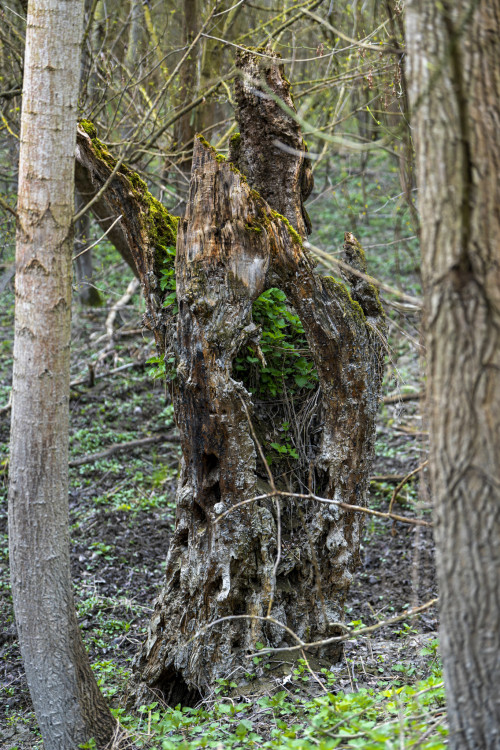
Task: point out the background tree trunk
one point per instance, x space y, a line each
68 705
87 292
455 74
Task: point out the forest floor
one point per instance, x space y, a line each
122 513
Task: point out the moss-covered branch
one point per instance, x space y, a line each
146 232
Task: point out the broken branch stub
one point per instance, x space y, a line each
269 149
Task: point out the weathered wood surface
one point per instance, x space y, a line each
232 246
144 230
294 559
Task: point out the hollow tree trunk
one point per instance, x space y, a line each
289 558
294 558
454 59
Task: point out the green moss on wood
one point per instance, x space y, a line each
98 146
253 227
342 293
160 225
218 156
293 232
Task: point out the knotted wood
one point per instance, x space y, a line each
293 559
231 247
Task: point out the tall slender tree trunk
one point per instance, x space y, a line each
67 701
455 91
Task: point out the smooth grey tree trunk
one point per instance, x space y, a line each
454 56
67 701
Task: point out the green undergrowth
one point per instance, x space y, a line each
387 717
285 361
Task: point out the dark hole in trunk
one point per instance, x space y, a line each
173 689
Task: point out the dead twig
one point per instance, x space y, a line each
349 635
127 366
404 481
119 305
395 398
338 503
117 448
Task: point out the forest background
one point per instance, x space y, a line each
148 98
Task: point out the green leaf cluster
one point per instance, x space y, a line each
288 361
167 279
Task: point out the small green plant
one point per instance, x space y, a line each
287 360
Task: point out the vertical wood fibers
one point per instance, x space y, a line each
455 72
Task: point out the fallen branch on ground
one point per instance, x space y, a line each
404 481
397 397
117 448
85 381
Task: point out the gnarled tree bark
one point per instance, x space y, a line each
454 60
295 563
293 559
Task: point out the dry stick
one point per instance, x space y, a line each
83 381
119 305
396 398
410 430
154 137
392 478
116 448
353 42
404 481
348 636
100 238
354 633
274 494
339 503
7 207
262 456
313 674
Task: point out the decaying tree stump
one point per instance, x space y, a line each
293 559
231 247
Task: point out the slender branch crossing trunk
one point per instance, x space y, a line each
455 72
67 701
